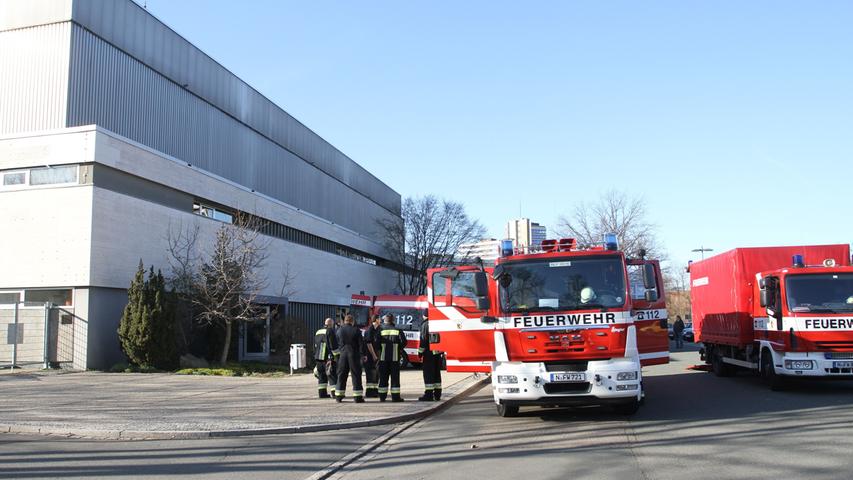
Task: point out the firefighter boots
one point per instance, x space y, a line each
395 397
427 397
436 394
359 399
324 394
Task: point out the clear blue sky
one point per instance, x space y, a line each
733 120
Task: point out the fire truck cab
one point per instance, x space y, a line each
563 325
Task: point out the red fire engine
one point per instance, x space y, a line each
408 311
558 326
780 311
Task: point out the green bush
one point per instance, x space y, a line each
239 370
147 327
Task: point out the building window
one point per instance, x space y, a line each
211 212
53 175
14 178
61 297
10 297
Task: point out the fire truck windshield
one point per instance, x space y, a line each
563 284
824 293
405 318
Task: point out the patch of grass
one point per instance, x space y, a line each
251 369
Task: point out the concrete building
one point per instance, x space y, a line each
525 233
487 249
115 130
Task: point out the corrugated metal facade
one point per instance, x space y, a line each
134 30
34 78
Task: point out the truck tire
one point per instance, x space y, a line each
507 410
720 368
768 373
627 408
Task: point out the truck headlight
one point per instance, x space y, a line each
799 364
621 376
507 379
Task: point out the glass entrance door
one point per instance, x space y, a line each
256 338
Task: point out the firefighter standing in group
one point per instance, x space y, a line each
392 345
431 364
351 344
324 346
371 339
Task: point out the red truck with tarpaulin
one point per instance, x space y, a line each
779 311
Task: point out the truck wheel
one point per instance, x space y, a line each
768 373
507 410
627 408
720 368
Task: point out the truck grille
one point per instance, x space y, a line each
579 366
843 371
552 388
838 355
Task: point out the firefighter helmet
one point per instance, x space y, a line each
587 294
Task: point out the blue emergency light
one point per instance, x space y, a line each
798 261
506 248
610 241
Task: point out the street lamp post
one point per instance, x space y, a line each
702 250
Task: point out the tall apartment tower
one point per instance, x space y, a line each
525 233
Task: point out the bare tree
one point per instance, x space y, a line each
615 212
222 285
429 237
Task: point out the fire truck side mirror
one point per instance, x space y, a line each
762 298
651 295
482 303
649 277
481 285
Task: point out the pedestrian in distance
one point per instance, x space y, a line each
392 345
351 344
323 357
678 332
430 364
371 367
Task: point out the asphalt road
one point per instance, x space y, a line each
693 425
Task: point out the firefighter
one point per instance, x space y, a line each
332 363
393 343
322 357
430 363
351 344
371 338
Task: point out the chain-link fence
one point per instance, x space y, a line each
36 335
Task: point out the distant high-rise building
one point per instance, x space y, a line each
525 233
487 249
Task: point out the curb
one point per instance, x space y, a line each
473 382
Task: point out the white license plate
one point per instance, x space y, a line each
568 377
842 364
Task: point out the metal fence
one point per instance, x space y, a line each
37 335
